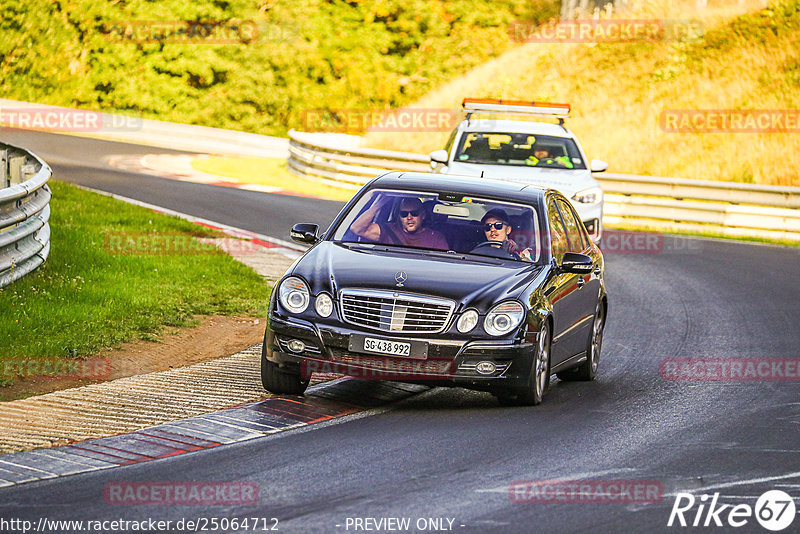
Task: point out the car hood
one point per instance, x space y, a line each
568 182
470 280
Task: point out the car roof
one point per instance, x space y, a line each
465 185
509 126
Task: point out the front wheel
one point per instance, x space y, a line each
280 381
539 377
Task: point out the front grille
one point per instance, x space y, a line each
395 312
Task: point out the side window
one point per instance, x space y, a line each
576 243
557 235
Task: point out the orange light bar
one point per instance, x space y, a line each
516 106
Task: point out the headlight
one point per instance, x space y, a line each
293 294
588 196
323 305
467 321
503 318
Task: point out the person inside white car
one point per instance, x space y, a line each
542 156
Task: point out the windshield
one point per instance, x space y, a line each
519 149
443 221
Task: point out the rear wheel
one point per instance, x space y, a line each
539 377
588 369
280 381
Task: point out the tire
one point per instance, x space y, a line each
279 381
539 377
588 369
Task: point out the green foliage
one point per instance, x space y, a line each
320 54
764 26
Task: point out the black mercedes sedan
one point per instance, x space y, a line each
443 280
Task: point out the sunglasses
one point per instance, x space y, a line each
413 213
497 226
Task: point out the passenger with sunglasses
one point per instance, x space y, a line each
497 228
407 229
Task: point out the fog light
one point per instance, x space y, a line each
296 345
485 368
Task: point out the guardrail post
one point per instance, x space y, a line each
27 171
4 169
15 169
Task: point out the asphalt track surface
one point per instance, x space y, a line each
82 161
452 453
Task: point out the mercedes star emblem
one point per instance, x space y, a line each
400 277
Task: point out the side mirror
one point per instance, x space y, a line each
305 233
576 263
598 165
438 156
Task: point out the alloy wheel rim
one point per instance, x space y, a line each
597 338
541 363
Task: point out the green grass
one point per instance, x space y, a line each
85 298
314 54
269 171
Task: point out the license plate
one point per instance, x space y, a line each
417 350
382 346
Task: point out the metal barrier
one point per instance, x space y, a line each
24 213
728 208
326 157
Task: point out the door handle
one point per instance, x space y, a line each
597 271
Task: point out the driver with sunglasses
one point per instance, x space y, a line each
497 227
407 229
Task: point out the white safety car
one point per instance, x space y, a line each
544 154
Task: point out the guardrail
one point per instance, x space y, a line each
24 213
728 208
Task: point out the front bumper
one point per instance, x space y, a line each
449 362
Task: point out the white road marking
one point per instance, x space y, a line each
735 483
